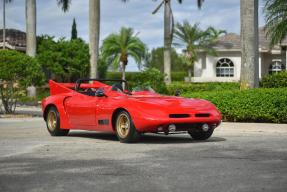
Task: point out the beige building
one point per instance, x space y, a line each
15 40
225 67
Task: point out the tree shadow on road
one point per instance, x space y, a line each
146 138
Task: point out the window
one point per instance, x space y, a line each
224 68
276 67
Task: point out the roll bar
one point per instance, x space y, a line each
82 80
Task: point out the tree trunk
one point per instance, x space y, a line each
4 25
31 28
167 42
249 45
123 74
94 35
189 74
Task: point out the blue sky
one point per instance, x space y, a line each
221 14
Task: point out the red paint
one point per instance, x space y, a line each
148 110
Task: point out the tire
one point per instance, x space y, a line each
53 123
125 129
199 134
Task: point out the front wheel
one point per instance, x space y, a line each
125 128
199 134
53 123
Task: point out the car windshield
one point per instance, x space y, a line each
140 88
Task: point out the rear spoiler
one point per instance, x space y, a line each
59 88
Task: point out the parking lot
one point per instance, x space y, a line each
239 157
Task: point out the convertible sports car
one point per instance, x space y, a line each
89 104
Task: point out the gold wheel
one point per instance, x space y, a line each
52 120
123 125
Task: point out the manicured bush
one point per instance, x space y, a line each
185 88
178 76
256 105
17 71
151 77
277 80
131 76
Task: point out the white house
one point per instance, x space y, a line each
225 67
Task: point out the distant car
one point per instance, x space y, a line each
89 104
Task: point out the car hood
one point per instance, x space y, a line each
168 104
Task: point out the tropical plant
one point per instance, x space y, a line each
276 20
168 34
121 46
193 39
74 33
249 77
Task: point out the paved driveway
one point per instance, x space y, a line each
239 157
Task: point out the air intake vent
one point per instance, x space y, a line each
179 115
202 115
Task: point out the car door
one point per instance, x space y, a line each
81 110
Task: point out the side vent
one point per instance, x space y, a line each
202 115
179 115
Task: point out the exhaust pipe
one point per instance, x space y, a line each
205 127
171 128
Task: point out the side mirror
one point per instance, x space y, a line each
177 93
100 93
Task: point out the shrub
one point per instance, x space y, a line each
131 76
63 60
17 72
185 88
277 80
151 77
256 105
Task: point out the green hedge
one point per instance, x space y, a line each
257 105
277 80
185 88
131 76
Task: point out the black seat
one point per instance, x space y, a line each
117 86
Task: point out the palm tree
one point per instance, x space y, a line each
249 44
168 34
94 35
193 39
31 24
119 47
4 21
31 28
276 20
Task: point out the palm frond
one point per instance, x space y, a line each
276 20
122 45
64 4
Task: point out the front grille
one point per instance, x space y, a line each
179 115
202 115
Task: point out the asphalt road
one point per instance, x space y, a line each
239 157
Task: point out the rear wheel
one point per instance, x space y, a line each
199 134
53 123
125 128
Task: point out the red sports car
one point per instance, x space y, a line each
89 104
